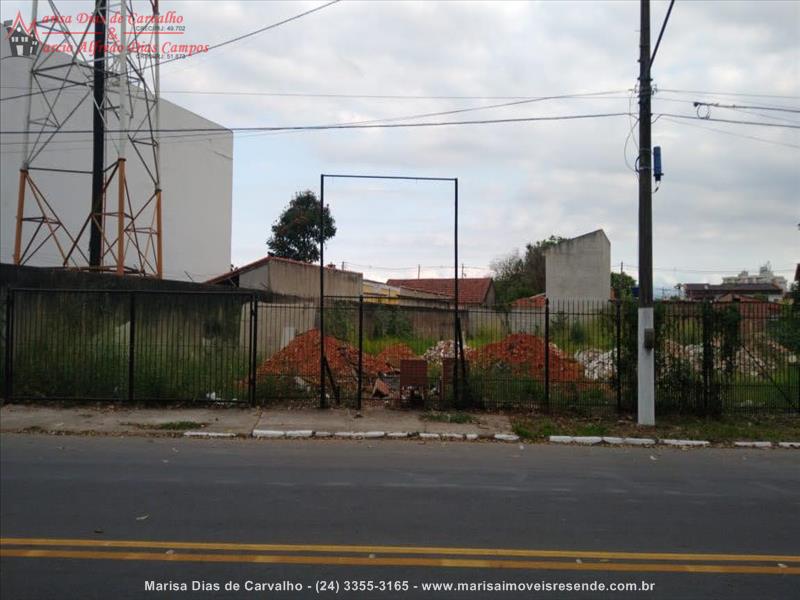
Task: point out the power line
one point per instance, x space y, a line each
213 47
713 93
731 133
255 32
661 33
345 126
733 121
742 107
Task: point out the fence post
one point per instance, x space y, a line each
253 347
707 356
547 354
9 341
618 304
131 347
360 346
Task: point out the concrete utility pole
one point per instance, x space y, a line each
646 335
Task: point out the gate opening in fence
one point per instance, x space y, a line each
459 376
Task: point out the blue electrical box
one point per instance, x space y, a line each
657 172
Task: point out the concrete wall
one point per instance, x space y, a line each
197 175
579 268
300 280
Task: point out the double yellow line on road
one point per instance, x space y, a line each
399 556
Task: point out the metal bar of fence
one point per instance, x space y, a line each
547 354
132 347
707 356
9 341
253 347
618 349
360 348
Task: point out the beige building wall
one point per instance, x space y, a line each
579 268
301 280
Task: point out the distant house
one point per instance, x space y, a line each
472 291
383 293
293 278
579 268
535 301
709 291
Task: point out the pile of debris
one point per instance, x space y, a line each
748 359
443 349
391 356
597 365
524 354
301 359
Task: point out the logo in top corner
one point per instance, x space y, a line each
23 39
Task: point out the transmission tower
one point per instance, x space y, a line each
111 64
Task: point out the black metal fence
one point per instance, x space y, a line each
142 346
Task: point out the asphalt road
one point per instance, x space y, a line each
708 523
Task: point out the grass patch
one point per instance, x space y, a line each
534 430
456 417
33 429
778 428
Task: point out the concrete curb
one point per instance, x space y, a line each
208 434
369 435
506 437
685 443
499 437
268 433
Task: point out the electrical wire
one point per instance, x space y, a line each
341 126
739 106
731 133
255 32
712 93
213 47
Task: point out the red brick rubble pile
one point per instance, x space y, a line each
524 354
301 358
393 354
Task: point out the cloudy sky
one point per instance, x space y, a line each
729 201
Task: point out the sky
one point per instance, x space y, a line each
729 199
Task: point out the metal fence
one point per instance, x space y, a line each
711 358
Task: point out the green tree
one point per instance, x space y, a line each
622 284
296 234
518 276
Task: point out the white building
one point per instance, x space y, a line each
765 275
196 177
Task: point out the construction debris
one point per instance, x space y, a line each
524 354
392 355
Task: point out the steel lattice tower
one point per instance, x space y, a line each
113 65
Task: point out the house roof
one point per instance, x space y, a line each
261 262
535 301
471 290
732 288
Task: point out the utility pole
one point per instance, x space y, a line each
646 334
98 127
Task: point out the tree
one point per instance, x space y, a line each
623 285
296 234
518 276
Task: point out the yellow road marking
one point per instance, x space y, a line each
422 550
402 562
